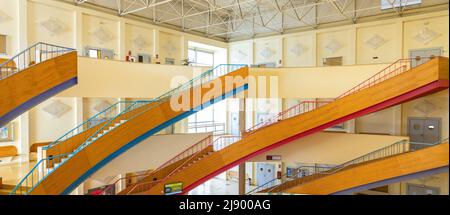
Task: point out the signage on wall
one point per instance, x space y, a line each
273 157
173 188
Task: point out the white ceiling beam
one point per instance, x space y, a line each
147 6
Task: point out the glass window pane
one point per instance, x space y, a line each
191 55
205 58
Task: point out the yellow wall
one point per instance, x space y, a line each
9 27
170 46
435 105
388 50
398 32
268 51
40 13
437 24
24 27
115 79
317 82
133 32
92 25
297 50
343 37
45 127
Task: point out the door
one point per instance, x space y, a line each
416 130
422 190
424 130
234 124
265 174
421 56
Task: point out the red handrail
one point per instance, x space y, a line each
390 71
152 183
202 144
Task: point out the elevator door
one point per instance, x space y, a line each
424 130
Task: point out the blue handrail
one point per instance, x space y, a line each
34 54
108 113
217 71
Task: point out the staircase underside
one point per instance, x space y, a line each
380 172
28 88
417 82
87 161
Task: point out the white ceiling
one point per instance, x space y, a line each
242 19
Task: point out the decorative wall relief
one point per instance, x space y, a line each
140 42
333 46
170 48
102 35
425 107
53 25
3 16
376 41
101 105
267 53
298 49
240 56
56 109
426 35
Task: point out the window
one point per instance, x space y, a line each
210 119
332 61
99 53
199 57
388 4
2 44
93 53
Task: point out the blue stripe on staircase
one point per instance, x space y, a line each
8 117
149 133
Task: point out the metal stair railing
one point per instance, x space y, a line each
391 71
220 142
400 147
35 54
299 172
190 151
117 119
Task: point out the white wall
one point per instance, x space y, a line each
9 27
308 48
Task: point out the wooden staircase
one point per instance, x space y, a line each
91 149
33 76
375 171
395 85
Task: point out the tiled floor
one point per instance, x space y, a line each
217 186
12 173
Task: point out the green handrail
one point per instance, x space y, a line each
217 71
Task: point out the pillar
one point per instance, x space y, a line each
242 177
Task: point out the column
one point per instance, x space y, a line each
78 43
79 118
24 137
242 177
